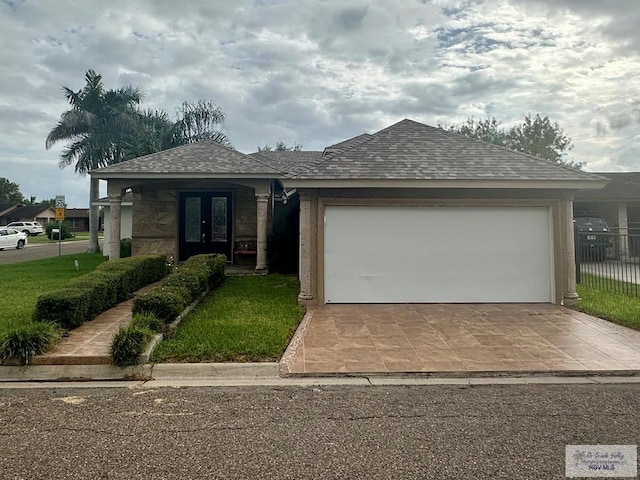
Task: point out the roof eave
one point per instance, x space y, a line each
178 176
489 183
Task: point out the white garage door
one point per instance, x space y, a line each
392 254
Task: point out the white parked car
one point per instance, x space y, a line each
29 228
12 238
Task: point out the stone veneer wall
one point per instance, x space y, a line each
155 214
245 214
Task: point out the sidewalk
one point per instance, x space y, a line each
89 343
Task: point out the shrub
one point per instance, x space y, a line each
125 248
182 287
27 340
137 271
213 263
187 279
66 233
128 343
166 303
103 289
68 307
147 320
89 295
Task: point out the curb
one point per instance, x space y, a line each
59 373
287 359
214 371
146 372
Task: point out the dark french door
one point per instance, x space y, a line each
205 223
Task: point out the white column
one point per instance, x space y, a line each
94 215
115 203
305 296
262 202
623 231
570 294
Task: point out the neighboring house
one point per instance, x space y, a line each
619 204
126 216
77 219
42 213
5 209
409 214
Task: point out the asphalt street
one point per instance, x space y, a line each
38 251
330 432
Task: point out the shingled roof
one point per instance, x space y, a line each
201 158
410 150
406 151
285 161
623 186
30 211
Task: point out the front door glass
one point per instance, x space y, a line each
219 229
192 220
205 223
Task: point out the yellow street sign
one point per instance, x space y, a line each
59 214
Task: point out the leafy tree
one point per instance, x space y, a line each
535 135
98 128
10 192
281 147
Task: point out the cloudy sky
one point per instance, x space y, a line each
316 72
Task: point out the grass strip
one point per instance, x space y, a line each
248 319
615 307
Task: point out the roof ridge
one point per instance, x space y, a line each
323 159
529 155
264 162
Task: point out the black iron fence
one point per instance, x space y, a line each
609 260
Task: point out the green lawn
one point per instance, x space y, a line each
615 307
248 319
21 283
42 238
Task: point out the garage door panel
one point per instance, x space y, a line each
426 254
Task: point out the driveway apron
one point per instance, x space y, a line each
446 339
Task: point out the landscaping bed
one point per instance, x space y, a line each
248 319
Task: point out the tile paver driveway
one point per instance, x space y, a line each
452 339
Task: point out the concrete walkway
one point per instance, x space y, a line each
89 343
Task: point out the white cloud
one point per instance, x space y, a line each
317 72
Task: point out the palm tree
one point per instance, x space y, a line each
99 128
195 121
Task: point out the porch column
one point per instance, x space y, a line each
262 202
570 294
115 202
623 231
94 215
305 296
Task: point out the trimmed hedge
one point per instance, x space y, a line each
166 303
182 287
91 294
